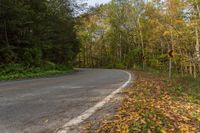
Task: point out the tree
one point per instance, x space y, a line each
39 31
135 32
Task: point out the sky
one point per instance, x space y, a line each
93 2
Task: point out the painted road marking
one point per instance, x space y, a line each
85 115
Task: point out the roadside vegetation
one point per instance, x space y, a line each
182 84
155 104
34 34
157 37
17 71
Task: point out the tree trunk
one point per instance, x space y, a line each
120 45
182 72
190 69
197 43
84 56
142 44
194 71
197 47
6 34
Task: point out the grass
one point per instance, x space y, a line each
186 86
181 85
17 71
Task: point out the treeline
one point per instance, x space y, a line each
139 33
37 32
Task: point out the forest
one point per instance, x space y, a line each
156 42
36 36
141 34
125 34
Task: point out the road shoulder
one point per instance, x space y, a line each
151 105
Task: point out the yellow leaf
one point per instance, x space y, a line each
185 118
184 128
198 119
164 130
166 33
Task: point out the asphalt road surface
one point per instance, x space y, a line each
44 104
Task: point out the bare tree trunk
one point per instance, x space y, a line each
182 72
6 34
161 44
84 56
87 57
101 58
198 10
197 47
186 68
142 43
197 43
195 71
190 70
79 60
91 64
120 45
170 47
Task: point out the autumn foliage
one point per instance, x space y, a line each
139 33
149 106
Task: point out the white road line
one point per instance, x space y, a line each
85 115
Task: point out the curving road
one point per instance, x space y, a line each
44 104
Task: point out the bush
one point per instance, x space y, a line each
32 57
11 69
17 71
119 66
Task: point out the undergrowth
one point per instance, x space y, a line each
18 71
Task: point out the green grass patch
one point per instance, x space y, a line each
187 85
181 85
18 71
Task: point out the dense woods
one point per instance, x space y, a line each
140 33
120 34
34 33
40 38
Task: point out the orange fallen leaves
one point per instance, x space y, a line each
147 107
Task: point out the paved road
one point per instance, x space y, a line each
42 105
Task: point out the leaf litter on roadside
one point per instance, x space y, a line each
148 107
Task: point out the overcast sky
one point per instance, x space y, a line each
93 2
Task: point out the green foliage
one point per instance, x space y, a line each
32 57
33 32
119 66
180 85
18 71
133 58
177 90
191 87
192 92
